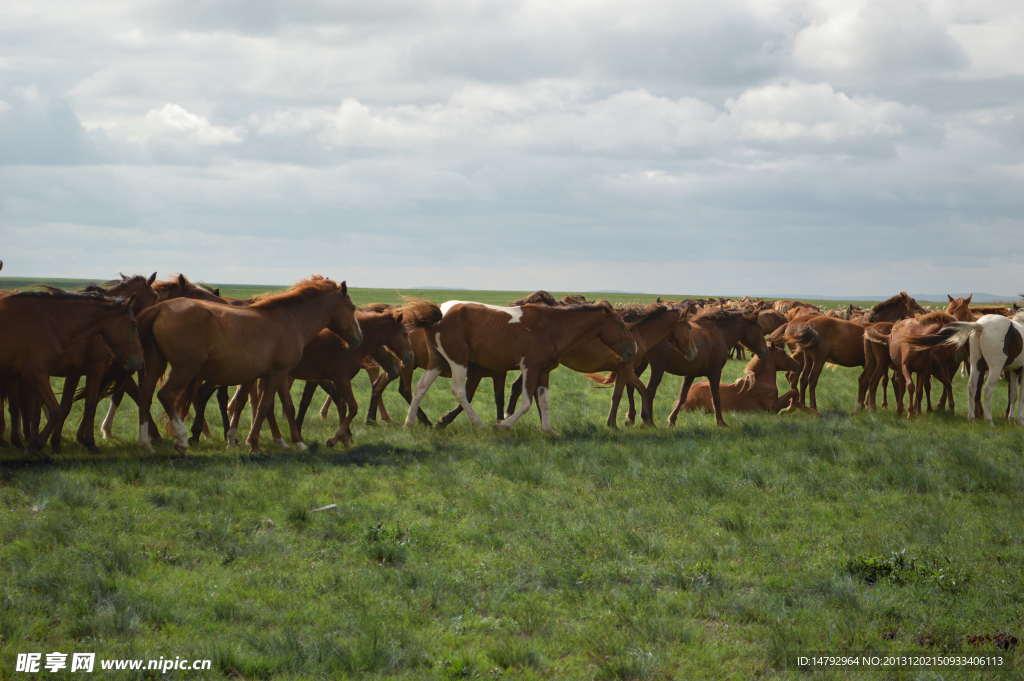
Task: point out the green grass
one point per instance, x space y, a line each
693 552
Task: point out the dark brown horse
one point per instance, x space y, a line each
757 390
47 322
237 345
530 338
714 333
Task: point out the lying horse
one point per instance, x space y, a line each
758 390
530 338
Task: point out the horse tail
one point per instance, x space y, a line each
605 380
955 334
183 400
803 336
109 382
778 335
876 336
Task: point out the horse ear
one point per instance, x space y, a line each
216 292
123 278
950 298
401 318
344 288
968 299
127 305
182 281
151 279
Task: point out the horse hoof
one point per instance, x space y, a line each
181 450
440 425
300 447
371 423
193 441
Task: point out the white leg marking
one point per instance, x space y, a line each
180 433
459 374
232 436
417 394
144 438
107 427
282 442
523 408
298 446
326 409
543 397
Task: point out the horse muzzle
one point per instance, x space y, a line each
132 365
629 353
762 353
691 354
408 358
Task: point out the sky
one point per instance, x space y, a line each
767 147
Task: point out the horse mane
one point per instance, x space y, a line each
54 293
634 313
581 307
936 316
726 315
573 300
314 287
537 298
376 307
418 313
113 283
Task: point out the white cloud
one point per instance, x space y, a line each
174 121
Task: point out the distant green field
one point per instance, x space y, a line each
363 296
686 553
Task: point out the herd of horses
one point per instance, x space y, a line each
127 336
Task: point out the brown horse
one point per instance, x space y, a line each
757 390
91 357
47 322
236 345
900 306
649 325
530 338
876 367
910 360
820 340
714 333
328 358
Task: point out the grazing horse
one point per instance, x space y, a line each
47 322
757 390
994 339
714 333
530 338
649 325
237 345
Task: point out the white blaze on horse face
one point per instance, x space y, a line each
516 313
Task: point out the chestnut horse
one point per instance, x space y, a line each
530 338
714 333
649 325
757 390
230 345
47 322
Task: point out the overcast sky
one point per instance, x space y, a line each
763 147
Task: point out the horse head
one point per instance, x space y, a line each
615 334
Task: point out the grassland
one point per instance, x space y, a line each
694 552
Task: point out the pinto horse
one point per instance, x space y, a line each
994 339
230 345
757 390
47 323
530 338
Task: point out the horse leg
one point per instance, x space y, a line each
179 378
236 406
885 387
325 408
3 424
39 383
863 381
529 384
652 391
288 409
376 395
14 409
1020 396
543 402
472 381
714 379
307 396
422 387
271 418
67 399
995 370
202 396
107 427
812 383
347 399
459 376
271 385
513 395
86 435
684 390
498 386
